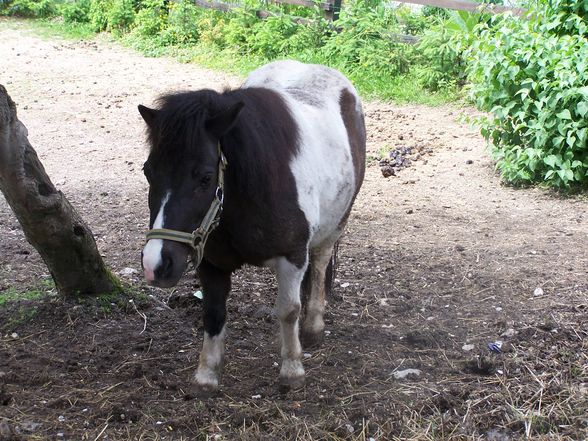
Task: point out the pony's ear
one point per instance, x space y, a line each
222 122
147 114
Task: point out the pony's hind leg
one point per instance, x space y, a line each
288 310
216 285
313 325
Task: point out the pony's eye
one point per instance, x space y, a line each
205 181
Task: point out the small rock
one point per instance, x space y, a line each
468 347
460 248
128 271
508 333
256 397
387 171
409 211
30 426
469 161
61 418
349 428
401 375
14 335
345 285
498 435
5 430
538 292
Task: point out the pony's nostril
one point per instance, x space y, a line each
165 268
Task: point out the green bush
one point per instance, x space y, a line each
181 23
366 41
532 76
31 8
151 19
120 15
76 11
443 49
99 14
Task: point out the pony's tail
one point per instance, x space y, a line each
331 272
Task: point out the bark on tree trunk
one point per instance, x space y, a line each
50 223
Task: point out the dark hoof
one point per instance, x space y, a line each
290 383
310 340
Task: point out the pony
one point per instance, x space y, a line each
265 174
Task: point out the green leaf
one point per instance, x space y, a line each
551 160
564 114
582 108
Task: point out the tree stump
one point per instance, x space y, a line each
50 223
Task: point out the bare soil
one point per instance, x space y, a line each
438 261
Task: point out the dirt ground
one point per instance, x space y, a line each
438 262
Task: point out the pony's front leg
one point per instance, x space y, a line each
288 310
216 285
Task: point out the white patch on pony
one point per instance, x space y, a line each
152 249
291 369
323 167
211 360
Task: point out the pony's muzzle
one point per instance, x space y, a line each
164 262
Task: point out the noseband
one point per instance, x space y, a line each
197 239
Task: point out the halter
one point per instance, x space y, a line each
197 239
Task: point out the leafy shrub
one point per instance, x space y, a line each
31 8
151 19
76 11
181 23
240 23
365 41
99 14
120 15
443 50
532 75
213 29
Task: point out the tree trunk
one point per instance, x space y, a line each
50 223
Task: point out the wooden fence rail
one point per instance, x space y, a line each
466 5
333 7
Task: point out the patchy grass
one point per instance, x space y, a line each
58 28
41 289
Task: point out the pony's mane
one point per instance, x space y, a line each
181 116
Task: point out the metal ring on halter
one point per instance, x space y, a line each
220 198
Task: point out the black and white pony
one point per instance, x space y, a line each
265 175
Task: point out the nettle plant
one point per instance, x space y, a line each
532 76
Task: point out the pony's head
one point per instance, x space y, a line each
182 169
